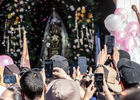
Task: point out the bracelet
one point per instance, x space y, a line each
90 75
77 80
99 66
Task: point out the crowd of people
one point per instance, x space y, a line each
120 80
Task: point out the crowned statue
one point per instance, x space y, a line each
55 38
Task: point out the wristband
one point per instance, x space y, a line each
99 66
77 80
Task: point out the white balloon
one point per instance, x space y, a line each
112 22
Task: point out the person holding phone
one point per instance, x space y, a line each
101 59
55 61
91 90
10 75
129 72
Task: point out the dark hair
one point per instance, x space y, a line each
23 70
16 92
127 85
32 84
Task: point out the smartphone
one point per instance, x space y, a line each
48 66
74 64
9 79
82 64
109 42
98 81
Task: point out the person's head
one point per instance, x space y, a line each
129 73
124 54
127 85
110 77
32 84
10 70
23 70
12 93
61 62
63 89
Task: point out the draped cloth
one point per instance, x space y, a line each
127 4
25 61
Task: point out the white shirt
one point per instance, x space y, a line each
2 89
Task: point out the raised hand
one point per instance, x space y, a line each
74 73
102 56
60 73
115 56
134 8
90 91
42 72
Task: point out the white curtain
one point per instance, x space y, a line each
127 4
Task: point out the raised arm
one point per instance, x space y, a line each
101 59
137 12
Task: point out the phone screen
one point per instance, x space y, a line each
9 79
98 81
82 64
48 64
109 41
74 64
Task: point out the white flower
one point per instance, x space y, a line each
85 45
21 2
87 50
21 9
75 58
83 26
75 41
72 8
21 16
47 44
74 46
91 40
69 16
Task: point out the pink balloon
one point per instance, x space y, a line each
122 12
5 60
133 28
120 35
129 43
